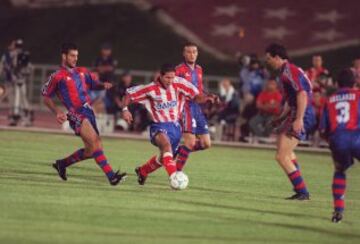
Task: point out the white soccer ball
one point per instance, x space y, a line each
179 180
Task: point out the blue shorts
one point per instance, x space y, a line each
345 146
76 118
172 130
193 120
286 126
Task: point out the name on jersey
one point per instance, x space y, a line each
342 97
166 105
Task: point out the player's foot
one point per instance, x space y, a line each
141 179
337 217
299 196
117 178
61 169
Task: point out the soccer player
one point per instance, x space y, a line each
340 124
194 125
164 99
297 118
71 84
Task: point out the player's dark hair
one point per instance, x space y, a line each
67 46
346 78
167 68
275 49
190 44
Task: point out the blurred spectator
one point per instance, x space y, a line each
356 70
16 67
105 66
6 66
253 82
316 70
318 102
230 103
113 103
268 104
325 84
253 79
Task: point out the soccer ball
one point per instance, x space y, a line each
179 180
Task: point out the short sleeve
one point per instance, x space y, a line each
50 87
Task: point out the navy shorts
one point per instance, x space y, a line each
286 126
345 147
193 120
76 118
172 130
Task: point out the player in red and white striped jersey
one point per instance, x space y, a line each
164 99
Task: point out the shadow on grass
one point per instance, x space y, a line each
222 206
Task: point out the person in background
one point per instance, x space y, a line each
114 103
356 69
252 86
16 67
316 70
105 66
268 104
6 73
230 103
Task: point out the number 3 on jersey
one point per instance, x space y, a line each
343 109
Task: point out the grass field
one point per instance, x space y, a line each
234 196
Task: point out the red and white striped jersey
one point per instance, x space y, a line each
164 105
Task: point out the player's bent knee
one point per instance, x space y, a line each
190 143
206 144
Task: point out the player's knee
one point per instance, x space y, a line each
190 143
280 157
206 144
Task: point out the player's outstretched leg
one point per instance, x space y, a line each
338 191
143 171
61 164
93 148
285 148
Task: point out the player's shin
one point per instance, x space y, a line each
101 160
150 166
298 182
75 157
169 163
182 156
338 191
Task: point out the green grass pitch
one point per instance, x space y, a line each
234 196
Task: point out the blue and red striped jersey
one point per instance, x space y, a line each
195 76
71 86
292 80
341 111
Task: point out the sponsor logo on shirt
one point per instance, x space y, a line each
166 105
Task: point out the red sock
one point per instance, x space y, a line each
151 165
169 163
